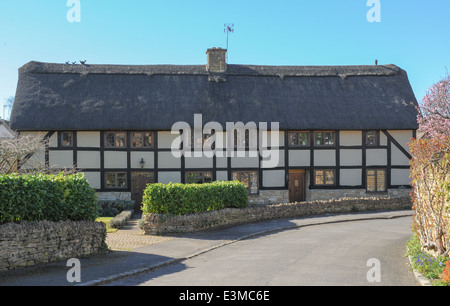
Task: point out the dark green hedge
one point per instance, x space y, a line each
181 199
46 197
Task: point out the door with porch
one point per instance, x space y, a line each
139 181
297 186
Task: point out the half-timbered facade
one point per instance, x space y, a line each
343 130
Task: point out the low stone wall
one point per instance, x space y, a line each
269 196
114 196
163 224
326 194
31 243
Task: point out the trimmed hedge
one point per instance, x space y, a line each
111 208
38 197
182 199
121 219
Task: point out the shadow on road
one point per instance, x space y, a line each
92 268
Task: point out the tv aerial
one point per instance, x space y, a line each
228 28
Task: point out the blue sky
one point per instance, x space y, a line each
412 34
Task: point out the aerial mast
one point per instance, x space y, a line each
228 28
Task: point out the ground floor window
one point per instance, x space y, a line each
249 179
376 180
116 180
324 177
198 177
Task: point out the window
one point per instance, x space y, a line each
115 140
66 139
249 179
116 180
142 139
376 180
324 177
298 139
204 141
245 138
371 138
197 177
324 138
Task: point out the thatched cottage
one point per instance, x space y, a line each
343 130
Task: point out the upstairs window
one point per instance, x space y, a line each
298 139
324 139
371 138
115 139
199 142
244 138
66 139
142 139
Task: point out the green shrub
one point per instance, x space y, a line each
111 208
37 197
181 199
427 265
121 219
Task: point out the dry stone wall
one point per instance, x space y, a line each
31 243
163 224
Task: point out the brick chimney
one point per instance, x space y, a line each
216 60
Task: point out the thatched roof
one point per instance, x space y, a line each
121 97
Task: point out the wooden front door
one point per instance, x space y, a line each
139 181
296 186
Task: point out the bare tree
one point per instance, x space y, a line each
25 154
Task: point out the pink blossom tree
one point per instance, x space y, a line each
434 110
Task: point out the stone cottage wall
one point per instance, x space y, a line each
32 243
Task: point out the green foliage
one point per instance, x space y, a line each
36 197
111 208
181 199
413 246
427 265
121 219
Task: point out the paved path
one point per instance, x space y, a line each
131 237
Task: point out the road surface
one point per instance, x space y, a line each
356 253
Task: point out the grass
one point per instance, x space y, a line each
427 265
106 221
